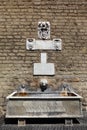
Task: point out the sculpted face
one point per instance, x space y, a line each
44 30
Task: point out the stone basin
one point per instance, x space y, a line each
44 95
53 104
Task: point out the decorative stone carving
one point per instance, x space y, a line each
44 30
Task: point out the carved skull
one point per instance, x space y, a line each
44 30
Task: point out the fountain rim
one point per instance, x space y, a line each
43 96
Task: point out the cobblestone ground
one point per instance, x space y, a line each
81 126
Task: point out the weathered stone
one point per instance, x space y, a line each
1 111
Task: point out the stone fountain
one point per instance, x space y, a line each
64 103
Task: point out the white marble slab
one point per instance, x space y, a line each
44 45
44 68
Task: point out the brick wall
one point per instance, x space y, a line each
18 21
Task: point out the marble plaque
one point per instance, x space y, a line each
44 69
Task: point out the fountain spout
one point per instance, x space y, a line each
43 84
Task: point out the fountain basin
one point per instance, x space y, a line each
44 105
43 95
